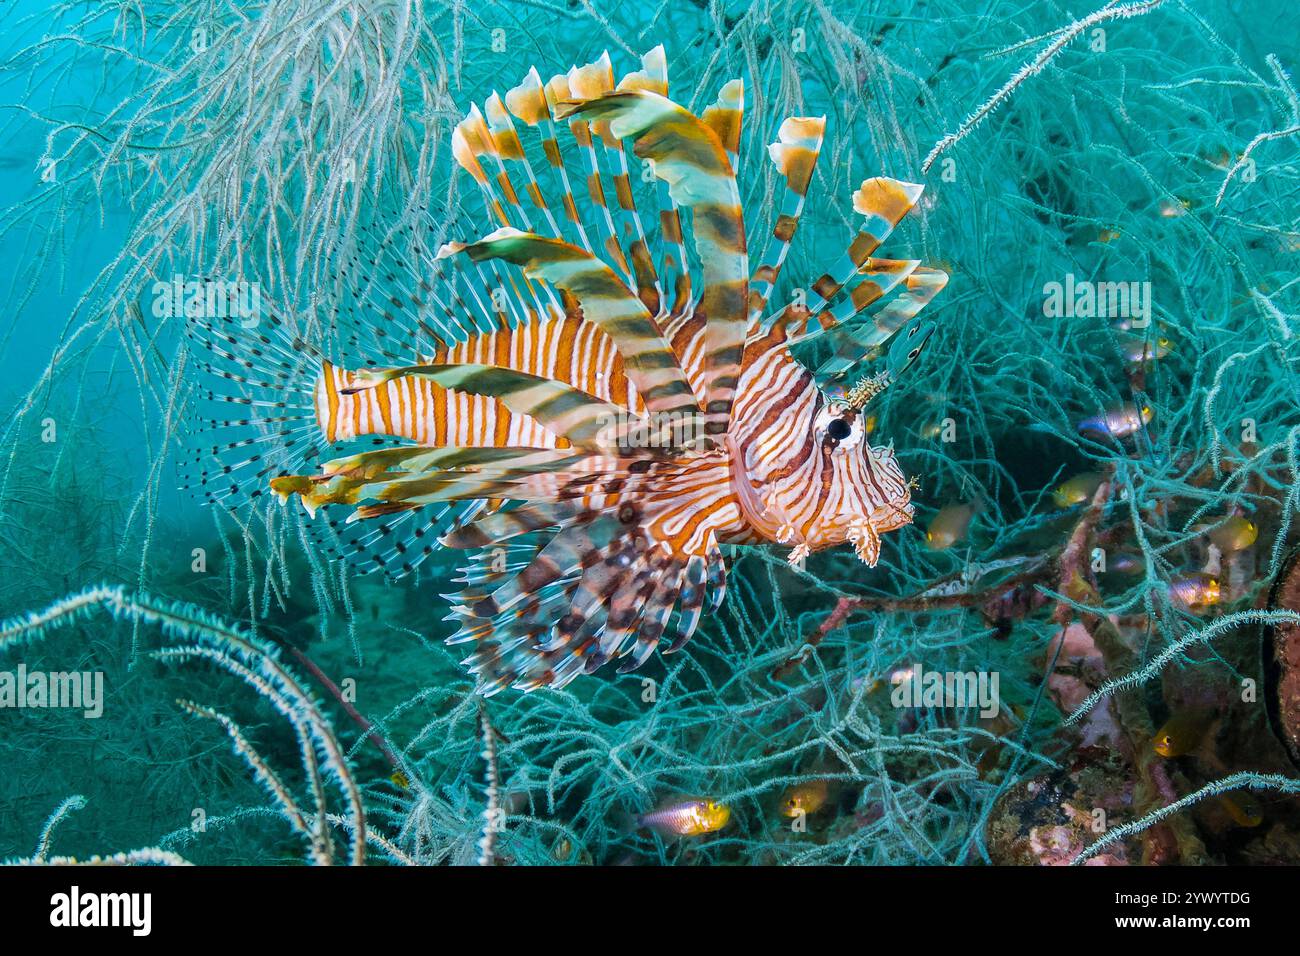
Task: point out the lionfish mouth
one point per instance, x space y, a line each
894 516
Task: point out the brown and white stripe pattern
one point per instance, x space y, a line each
625 540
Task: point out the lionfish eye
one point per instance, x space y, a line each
838 429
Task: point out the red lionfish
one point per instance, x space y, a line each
534 381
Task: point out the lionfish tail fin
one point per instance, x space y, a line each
270 410
256 406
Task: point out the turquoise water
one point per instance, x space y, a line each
1157 151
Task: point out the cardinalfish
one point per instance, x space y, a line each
1243 808
873 683
591 397
1184 733
804 799
1173 208
1196 591
1119 421
1139 350
686 817
1125 563
949 526
1078 489
1234 534
565 851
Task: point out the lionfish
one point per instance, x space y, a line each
593 407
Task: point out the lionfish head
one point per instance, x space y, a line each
866 493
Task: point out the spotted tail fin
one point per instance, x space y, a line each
254 413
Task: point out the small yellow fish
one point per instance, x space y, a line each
1196 591
1235 534
949 526
1183 733
1078 489
400 780
687 817
1107 235
807 797
1243 808
564 851
931 431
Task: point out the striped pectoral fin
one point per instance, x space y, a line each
694 593
601 586
590 629
505 652
396 543
609 606
716 568
648 359
490 530
253 415
687 154
575 547
669 570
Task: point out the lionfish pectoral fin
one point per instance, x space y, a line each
865 539
598 587
254 414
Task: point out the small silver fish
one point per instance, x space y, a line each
1196 591
687 817
1139 349
1119 421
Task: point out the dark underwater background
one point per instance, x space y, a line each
156 139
